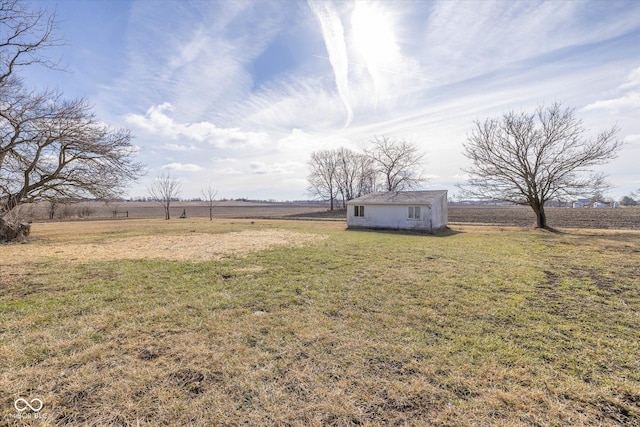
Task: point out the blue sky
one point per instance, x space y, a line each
240 93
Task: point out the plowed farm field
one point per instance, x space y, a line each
621 218
625 218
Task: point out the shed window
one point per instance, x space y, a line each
414 212
358 211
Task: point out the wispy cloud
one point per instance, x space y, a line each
632 139
303 102
182 167
628 101
633 80
247 90
158 122
202 65
370 69
375 30
230 171
468 38
333 33
180 147
256 167
274 168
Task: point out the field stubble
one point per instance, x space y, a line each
317 325
622 218
607 218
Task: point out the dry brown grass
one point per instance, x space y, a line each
192 245
485 326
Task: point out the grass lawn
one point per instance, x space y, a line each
191 322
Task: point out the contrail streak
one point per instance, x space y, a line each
385 70
333 34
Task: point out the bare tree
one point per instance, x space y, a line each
530 159
355 174
350 174
399 162
50 148
53 207
628 200
25 34
164 189
56 149
209 194
346 173
599 197
367 176
323 178
341 172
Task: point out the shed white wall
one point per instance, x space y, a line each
440 212
396 216
390 216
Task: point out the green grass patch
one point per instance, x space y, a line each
484 326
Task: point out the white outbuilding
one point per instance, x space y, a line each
402 210
582 203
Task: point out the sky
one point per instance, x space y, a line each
238 94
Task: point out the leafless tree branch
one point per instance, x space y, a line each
530 159
164 190
399 162
25 34
323 177
209 194
53 148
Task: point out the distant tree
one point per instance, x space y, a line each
323 177
341 172
53 206
209 194
366 177
347 170
628 201
600 197
399 162
164 189
355 174
530 159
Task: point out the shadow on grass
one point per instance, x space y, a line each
444 232
549 229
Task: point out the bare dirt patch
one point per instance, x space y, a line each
191 246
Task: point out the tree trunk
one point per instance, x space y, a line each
11 232
541 217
